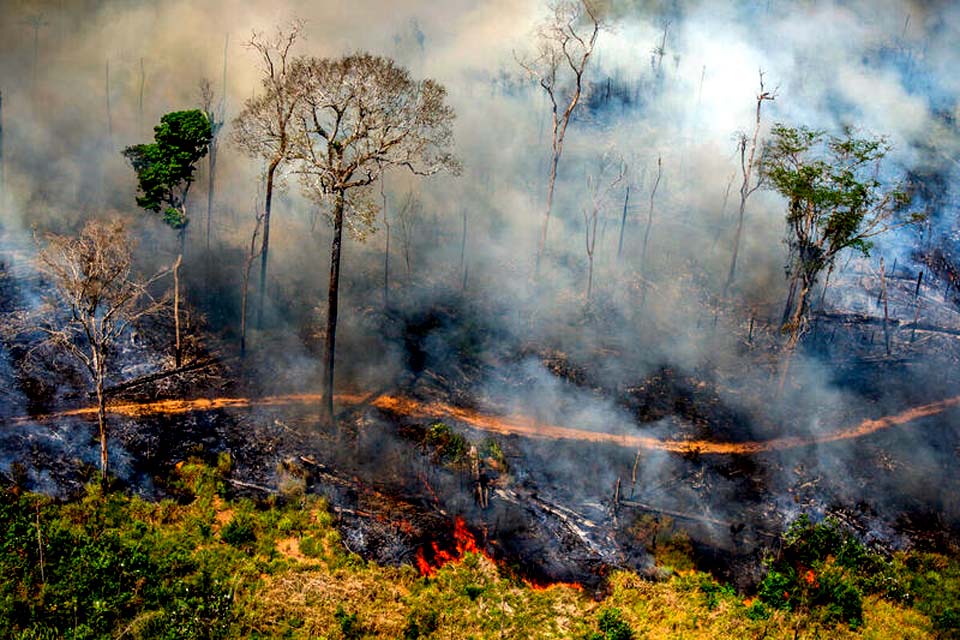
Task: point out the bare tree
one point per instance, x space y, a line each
93 280
263 128
409 217
610 171
215 116
752 178
361 114
252 254
564 45
646 232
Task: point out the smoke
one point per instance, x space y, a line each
467 308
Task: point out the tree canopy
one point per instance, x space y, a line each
165 167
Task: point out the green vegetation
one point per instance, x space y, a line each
165 167
111 565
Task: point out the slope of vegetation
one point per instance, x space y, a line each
111 565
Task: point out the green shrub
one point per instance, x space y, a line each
613 626
449 447
349 624
240 532
420 624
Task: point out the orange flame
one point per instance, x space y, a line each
464 542
510 425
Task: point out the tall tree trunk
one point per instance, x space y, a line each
386 250
545 225
646 233
333 294
623 222
265 247
796 319
211 180
463 252
176 310
100 372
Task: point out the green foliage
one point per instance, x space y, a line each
421 624
449 447
165 167
820 569
349 624
714 591
836 199
933 585
613 626
240 532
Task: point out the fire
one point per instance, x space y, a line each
509 425
810 578
464 543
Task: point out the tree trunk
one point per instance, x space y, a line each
551 185
623 222
211 185
101 416
330 340
646 233
265 247
176 310
589 277
795 324
386 249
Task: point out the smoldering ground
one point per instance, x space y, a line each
670 81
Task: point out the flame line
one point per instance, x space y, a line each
509 425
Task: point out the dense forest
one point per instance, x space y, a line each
586 318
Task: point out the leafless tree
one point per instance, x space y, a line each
408 216
252 254
564 44
360 115
93 280
215 116
752 178
264 127
609 173
649 227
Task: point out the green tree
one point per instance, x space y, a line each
165 170
165 166
836 200
359 115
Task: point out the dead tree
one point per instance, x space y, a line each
646 233
565 43
360 115
386 248
94 283
252 254
215 116
748 169
609 174
263 128
409 217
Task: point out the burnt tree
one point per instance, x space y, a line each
564 44
93 281
359 115
263 128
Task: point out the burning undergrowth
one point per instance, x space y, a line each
535 456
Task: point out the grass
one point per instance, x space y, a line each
117 566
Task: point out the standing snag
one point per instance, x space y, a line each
264 127
94 282
359 115
565 43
